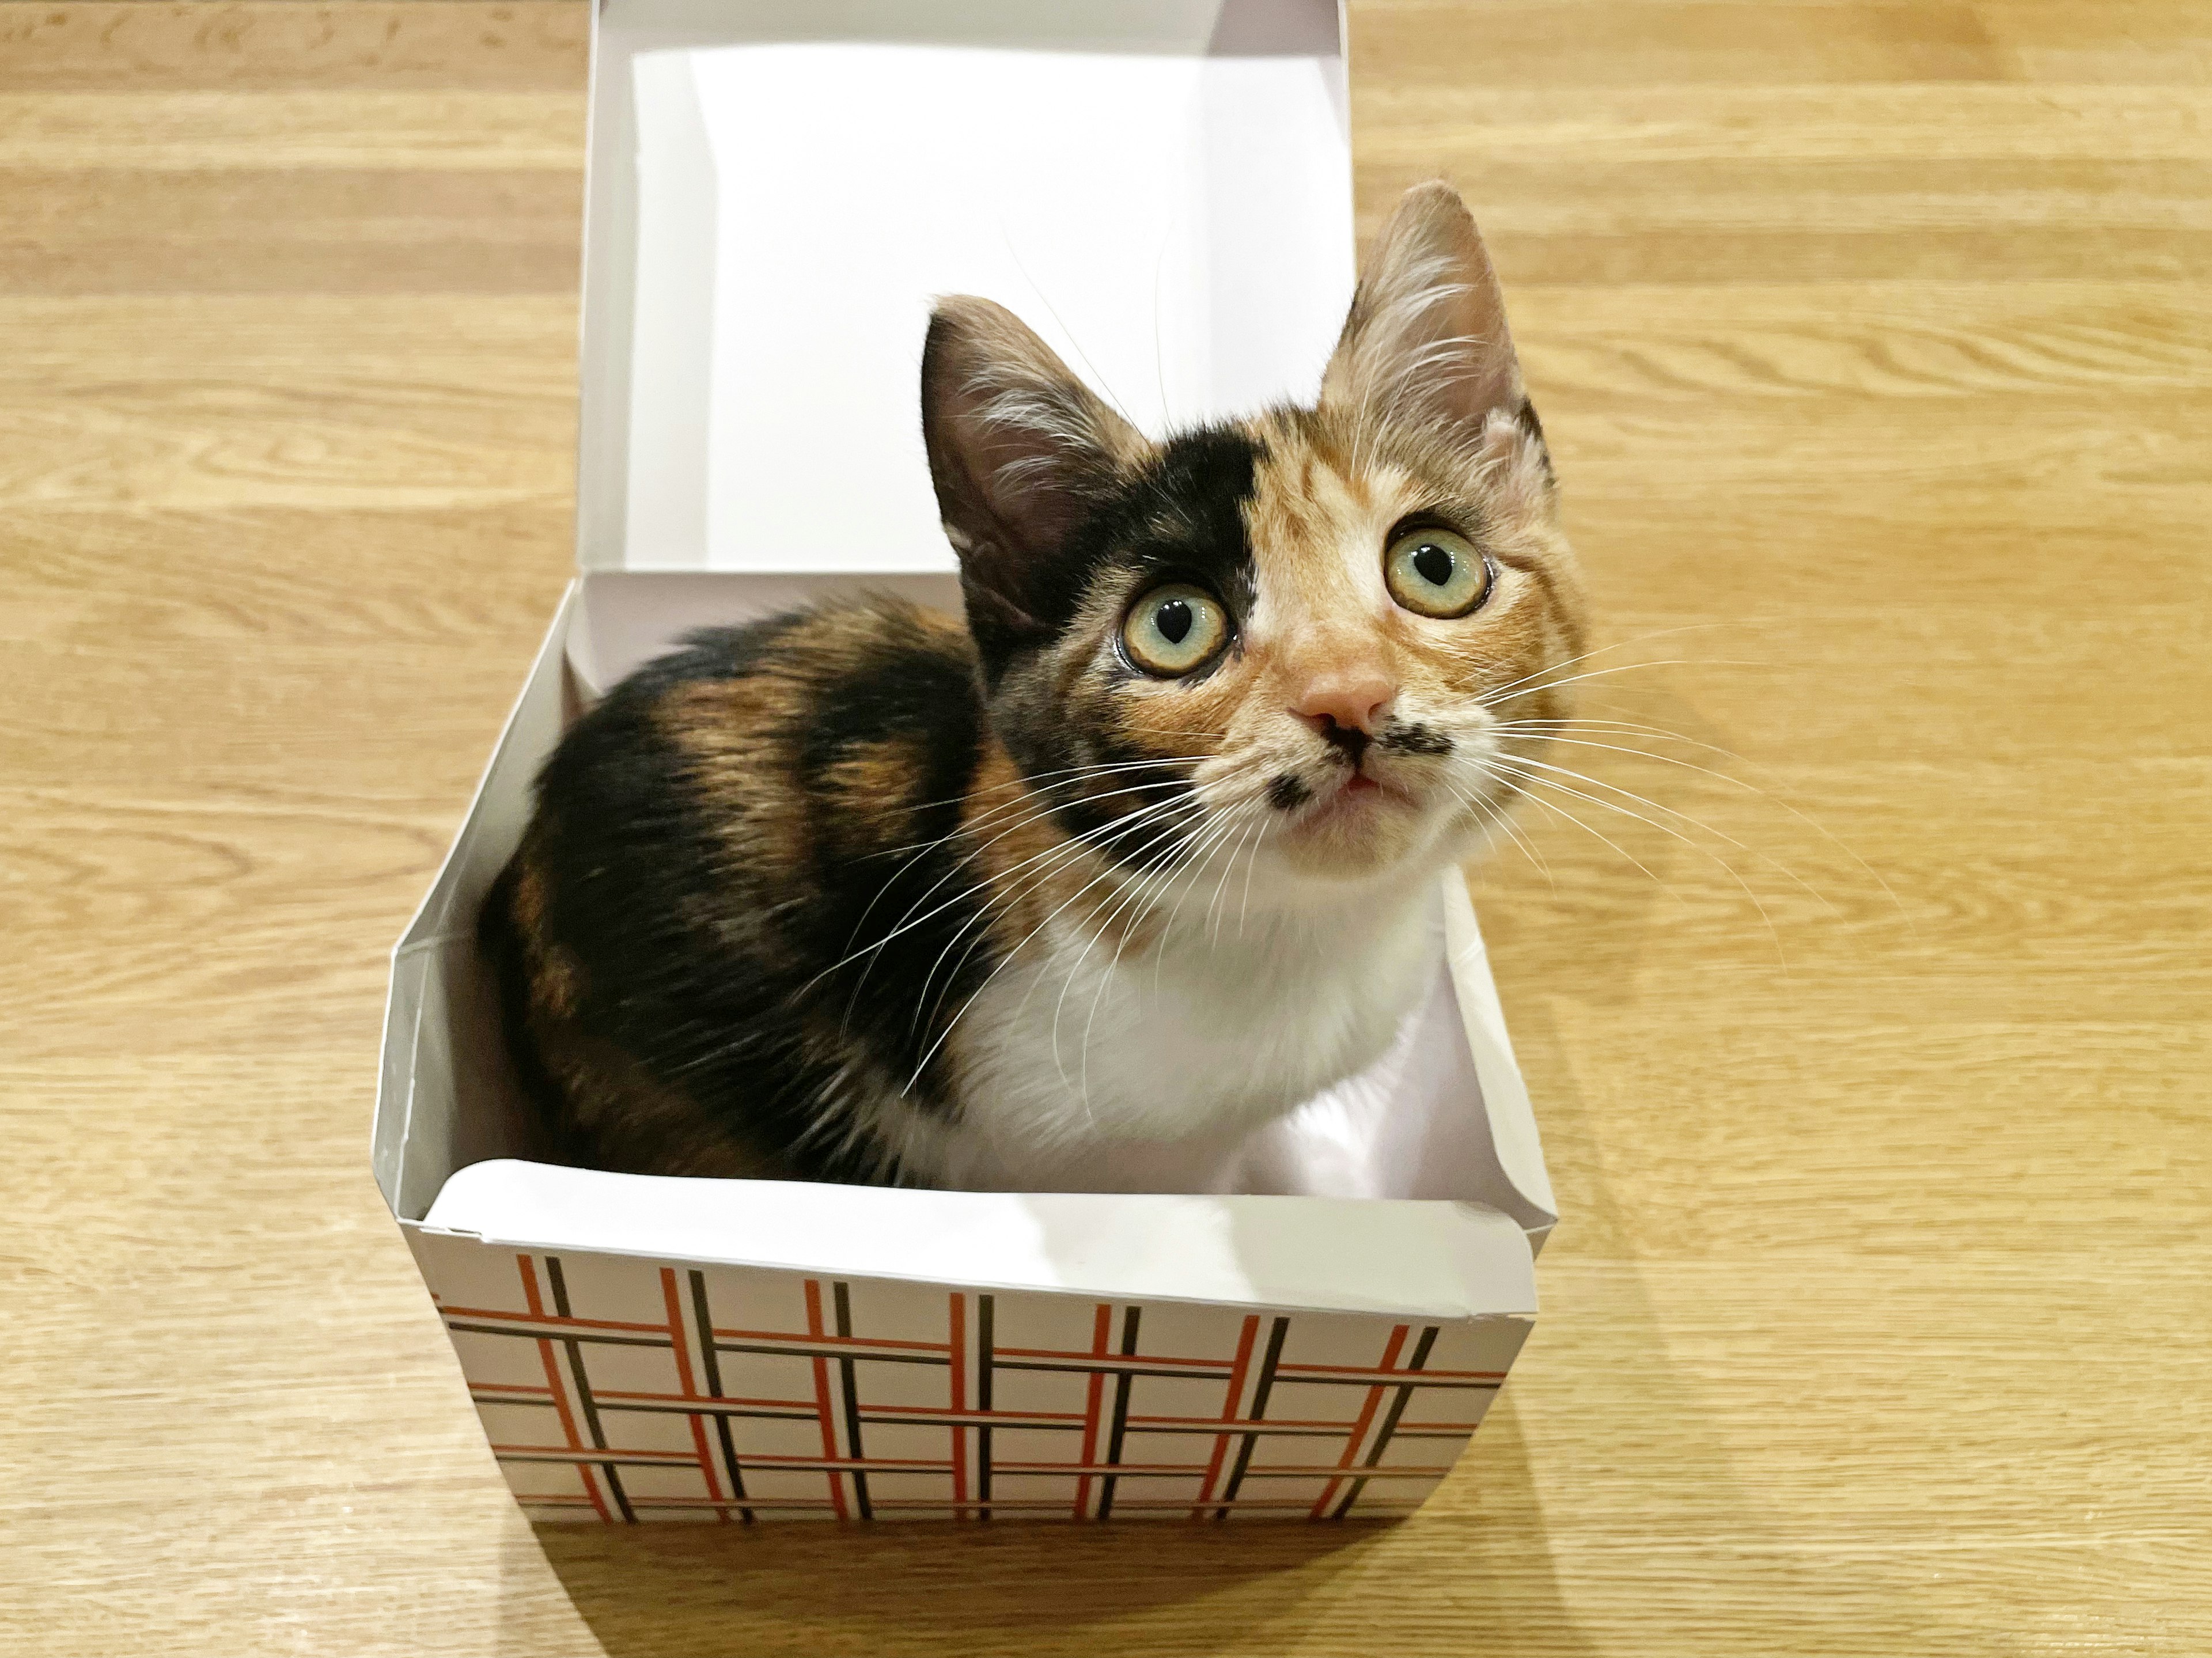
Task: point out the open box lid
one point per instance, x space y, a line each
779 189
1162 189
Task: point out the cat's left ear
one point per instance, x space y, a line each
1020 450
1426 340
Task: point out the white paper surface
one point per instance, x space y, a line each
1176 226
1426 1259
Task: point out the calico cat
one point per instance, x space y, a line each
1081 894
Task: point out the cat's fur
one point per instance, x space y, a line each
859 893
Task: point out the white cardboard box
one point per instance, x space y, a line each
777 191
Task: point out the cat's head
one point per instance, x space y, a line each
1318 637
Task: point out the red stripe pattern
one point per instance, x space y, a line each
619 1390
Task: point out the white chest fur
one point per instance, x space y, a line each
1082 1072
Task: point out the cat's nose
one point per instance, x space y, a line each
1353 699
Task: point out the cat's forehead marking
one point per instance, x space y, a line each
1317 518
1182 511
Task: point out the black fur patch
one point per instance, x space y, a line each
1525 418
1181 514
749 853
1180 517
1184 515
1411 738
1349 741
717 977
899 890
1288 794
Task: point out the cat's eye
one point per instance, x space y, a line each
1174 629
1436 572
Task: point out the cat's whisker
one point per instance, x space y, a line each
1097 379
1494 816
1224 817
1046 806
1552 730
1206 916
1034 787
1008 899
1629 857
1501 815
1040 810
1097 931
1159 366
1169 731
1632 728
1682 817
1604 650
1251 865
1005 902
1627 794
1211 921
1258 810
1043 810
1169 828
1177 870
1247 847
997 968
1492 699
1145 856
1527 780
1616 724
1232 823
1213 904
1073 844
1204 850
1159 961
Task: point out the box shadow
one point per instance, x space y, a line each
677 1591
1671 1535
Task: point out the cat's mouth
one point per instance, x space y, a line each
1360 794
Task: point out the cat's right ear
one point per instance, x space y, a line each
1426 340
1019 449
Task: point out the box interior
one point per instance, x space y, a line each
780 191
1443 1115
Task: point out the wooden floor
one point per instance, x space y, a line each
1877 345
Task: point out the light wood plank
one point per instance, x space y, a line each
1872 1060
182 132
171 46
109 230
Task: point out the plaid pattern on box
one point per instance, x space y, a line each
616 1388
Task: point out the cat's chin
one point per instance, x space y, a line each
1365 832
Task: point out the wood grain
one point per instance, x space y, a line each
1871 1050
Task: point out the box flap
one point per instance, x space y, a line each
1161 189
1356 1255
435 1013
1515 1152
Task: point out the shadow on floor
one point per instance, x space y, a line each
685 1591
